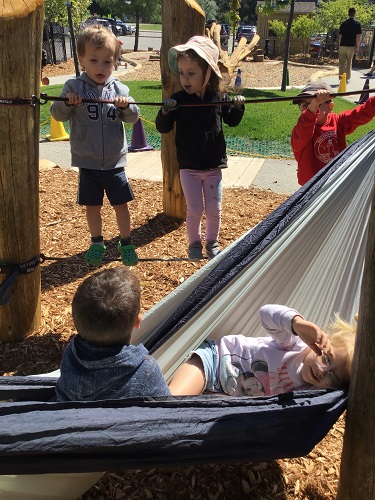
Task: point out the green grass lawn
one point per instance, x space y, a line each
264 130
151 27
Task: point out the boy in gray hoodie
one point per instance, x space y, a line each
97 137
99 362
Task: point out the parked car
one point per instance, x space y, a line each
97 20
130 29
324 44
113 23
123 27
246 31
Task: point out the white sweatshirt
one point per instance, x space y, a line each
263 366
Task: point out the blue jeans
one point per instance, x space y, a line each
207 352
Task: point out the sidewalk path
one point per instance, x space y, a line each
278 176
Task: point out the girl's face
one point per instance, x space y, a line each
98 62
191 76
325 371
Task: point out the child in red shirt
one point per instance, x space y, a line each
319 134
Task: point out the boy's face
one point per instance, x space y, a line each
324 109
325 371
191 75
98 62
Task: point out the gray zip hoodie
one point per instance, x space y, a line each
90 373
97 135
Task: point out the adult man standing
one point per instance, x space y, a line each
349 39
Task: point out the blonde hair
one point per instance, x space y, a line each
100 36
342 336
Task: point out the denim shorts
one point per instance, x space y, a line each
207 352
93 184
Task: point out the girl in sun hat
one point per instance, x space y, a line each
200 143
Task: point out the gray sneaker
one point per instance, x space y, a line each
212 249
195 251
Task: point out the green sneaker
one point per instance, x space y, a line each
129 256
94 254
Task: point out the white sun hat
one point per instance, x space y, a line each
203 46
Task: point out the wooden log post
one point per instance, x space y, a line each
21 26
357 471
182 19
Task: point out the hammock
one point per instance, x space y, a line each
308 254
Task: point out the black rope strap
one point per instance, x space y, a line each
44 98
13 271
19 101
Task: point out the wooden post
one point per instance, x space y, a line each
357 472
182 19
21 26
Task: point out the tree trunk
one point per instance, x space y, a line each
182 19
357 478
284 82
21 27
136 34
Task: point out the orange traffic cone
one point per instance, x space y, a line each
57 131
342 86
364 96
139 142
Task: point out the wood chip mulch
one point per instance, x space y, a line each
64 236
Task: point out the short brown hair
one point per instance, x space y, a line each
100 36
106 306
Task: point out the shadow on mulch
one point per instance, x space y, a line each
46 352
60 270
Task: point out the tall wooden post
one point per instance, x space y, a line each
182 19
357 473
21 26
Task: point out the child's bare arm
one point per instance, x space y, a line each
312 335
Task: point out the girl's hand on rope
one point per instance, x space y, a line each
121 102
238 101
312 335
169 105
73 99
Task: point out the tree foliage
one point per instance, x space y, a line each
56 11
210 8
330 15
303 27
278 27
147 10
234 17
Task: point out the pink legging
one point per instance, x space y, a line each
198 184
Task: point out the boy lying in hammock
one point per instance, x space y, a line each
298 355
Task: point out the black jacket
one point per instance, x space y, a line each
200 140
